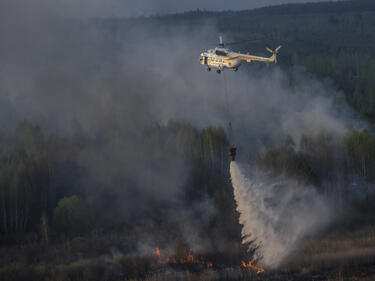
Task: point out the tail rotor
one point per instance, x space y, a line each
274 52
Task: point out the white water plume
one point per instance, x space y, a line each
277 215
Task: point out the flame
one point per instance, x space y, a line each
158 255
189 258
251 265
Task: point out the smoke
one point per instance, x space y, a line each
109 80
276 214
58 71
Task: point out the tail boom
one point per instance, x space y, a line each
250 58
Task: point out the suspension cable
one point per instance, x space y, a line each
227 109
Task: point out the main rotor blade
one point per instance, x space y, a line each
242 42
269 50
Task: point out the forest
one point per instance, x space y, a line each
42 179
67 212
53 217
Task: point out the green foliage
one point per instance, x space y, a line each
329 164
179 249
26 168
360 147
286 160
40 184
44 228
71 215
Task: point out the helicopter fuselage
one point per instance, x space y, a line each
219 58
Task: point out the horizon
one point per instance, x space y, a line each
130 9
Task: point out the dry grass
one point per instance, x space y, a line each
349 249
336 256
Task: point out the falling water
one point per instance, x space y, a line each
276 214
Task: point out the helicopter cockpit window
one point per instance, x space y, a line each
220 53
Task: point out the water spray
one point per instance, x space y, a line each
276 214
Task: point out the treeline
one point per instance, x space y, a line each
27 170
46 189
341 169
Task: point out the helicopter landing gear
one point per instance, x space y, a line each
218 71
208 69
235 69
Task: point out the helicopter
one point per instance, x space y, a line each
222 57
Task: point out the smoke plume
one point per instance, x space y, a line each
108 80
276 214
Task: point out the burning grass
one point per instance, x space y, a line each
190 259
187 258
337 256
252 266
